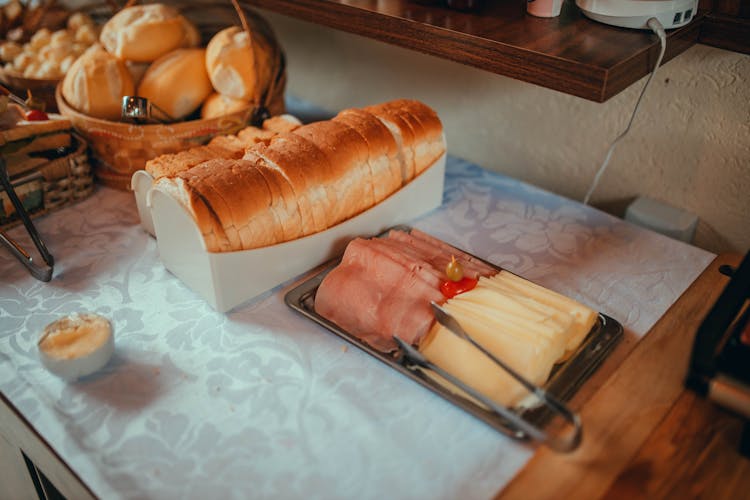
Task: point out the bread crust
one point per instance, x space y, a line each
430 139
239 197
205 218
385 169
427 143
282 123
263 187
143 33
96 82
304 167
283 203
172 164
349 177
403 133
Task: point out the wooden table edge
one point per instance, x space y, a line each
20 434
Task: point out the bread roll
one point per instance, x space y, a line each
254 135
350 179
223 146
177 82
306 169
282 123
220 105
417 127
235 67
170 165
231 201
220 147
143 33
313 178
383 161
96 82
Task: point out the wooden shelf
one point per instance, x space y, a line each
726 32
569 53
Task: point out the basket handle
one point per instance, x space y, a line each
262 96
246 28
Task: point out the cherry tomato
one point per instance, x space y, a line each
452 288
454 270
34 115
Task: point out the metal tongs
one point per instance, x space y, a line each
522 427
42 273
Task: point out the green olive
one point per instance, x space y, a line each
454 270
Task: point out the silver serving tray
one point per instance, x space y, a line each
563 382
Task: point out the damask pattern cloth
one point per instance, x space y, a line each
260 402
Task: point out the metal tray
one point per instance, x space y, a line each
563 382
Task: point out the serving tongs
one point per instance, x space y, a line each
519 428
40 272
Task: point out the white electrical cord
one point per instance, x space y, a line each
658 29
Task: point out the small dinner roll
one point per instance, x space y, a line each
231 65
96 82
143 33
219 105
177 82
78 19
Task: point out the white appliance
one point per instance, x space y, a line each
635 13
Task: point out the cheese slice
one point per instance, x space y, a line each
583 316
467 363
563 319
525 325
505 312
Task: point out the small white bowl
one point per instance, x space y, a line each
76 345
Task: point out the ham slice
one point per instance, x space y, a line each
374 296
383 287
439 253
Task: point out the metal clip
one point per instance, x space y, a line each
523 427
141 110
42 273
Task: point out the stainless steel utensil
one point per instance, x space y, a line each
40 272
141 110
524 428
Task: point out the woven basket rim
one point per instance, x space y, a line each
8 76
180 126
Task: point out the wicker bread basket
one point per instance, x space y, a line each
118 149
41 88
63 181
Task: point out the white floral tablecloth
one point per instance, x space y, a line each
261 403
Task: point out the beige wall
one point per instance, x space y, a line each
690 145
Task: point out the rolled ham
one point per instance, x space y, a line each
383 287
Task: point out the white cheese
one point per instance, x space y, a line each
583 316
525 325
